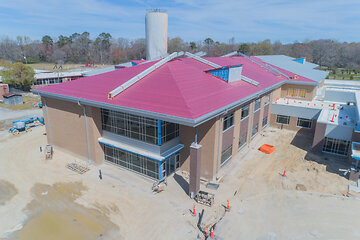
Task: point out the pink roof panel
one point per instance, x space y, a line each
179 88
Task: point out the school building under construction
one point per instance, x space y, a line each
182 111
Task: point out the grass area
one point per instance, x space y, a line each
344 77
28 101
65 67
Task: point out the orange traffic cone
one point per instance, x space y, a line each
228 206
284 174
194 212
212 235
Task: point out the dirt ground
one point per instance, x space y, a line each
49 201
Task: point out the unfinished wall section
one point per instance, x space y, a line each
66 130
310 91
206 138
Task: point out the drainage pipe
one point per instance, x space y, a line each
48 122
218 146
87 131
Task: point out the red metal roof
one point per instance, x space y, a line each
180 88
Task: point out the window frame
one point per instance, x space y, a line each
228 149
252 130
257 102
264 125
304 120
139 128
277 119
335 145
133 162
247 108
267 99
228 117
244 144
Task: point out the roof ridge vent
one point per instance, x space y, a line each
141 75
200 59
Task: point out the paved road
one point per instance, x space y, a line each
10 114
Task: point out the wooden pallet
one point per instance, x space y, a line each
77 168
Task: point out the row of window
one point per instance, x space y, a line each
301 122
137 127
227 153
257 105
229 118
337 146
137 163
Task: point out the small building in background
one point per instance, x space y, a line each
4 89
13 99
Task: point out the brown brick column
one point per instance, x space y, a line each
195 167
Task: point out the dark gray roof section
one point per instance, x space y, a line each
295 111
99 71
306 70
339 96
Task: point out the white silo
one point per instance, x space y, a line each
156 26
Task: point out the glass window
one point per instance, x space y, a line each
169 131
245 111
228 121
267 99
281 119
304 123
137 163
336 146
137 127
242 140
226 154
264 121
257 104
255 130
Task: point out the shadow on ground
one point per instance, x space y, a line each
303 140
182 182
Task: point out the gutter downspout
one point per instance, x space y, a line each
87 131
196 135
48 123
218 146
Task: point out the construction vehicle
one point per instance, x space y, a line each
25 125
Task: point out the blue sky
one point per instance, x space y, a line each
246 20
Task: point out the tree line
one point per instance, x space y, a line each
104 49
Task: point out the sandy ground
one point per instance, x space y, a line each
6 114
52 202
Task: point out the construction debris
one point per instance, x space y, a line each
77 168
205 198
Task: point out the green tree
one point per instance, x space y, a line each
263 48
63 40
47 41
102 45
18 75
208 42
193 45
244 48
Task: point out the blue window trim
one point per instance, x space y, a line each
157 160
159 132
160 171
